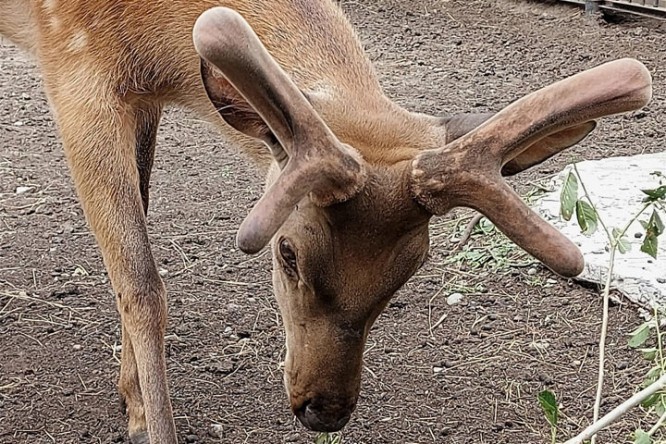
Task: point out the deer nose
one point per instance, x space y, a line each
322 416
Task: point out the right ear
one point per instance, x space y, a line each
232 107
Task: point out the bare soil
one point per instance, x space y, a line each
472 378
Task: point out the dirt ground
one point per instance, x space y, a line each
472 378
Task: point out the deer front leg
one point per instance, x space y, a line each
101 137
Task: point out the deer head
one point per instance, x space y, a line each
348 230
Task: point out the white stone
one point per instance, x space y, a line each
22 190
615 187
454 298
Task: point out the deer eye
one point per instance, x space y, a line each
288 256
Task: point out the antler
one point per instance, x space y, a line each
318 162
466 172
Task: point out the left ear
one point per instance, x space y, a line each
460 124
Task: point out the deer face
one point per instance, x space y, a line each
347 231
334 270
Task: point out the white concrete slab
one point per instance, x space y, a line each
614 185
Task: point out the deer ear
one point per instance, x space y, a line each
232 107
458 125
547 147
544 148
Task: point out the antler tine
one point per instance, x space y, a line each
466 172
318 162
612 88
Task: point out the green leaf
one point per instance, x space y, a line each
587 217
655 194
650 245
650 401
639 336
659 408
569 196
652 376
623 244
653 229
642 437
649 353
549 406
655 223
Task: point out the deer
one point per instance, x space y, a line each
352 179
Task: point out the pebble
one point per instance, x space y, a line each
77 347
163 272
532 271
292 437
454 298
22 190
216 431
191 438
437 369
18 123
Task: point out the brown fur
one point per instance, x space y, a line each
110 67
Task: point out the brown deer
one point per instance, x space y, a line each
352 178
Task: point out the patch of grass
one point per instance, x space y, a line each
328 438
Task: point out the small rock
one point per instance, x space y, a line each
622 365
18 123
292 437
437 369
454 298
216 431
77 347
68 227
191 438
540 345
22 190
532 271
164 272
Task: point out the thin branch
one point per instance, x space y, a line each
464 238
602 339
655 427
606 293
618 411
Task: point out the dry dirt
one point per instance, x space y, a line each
514 334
